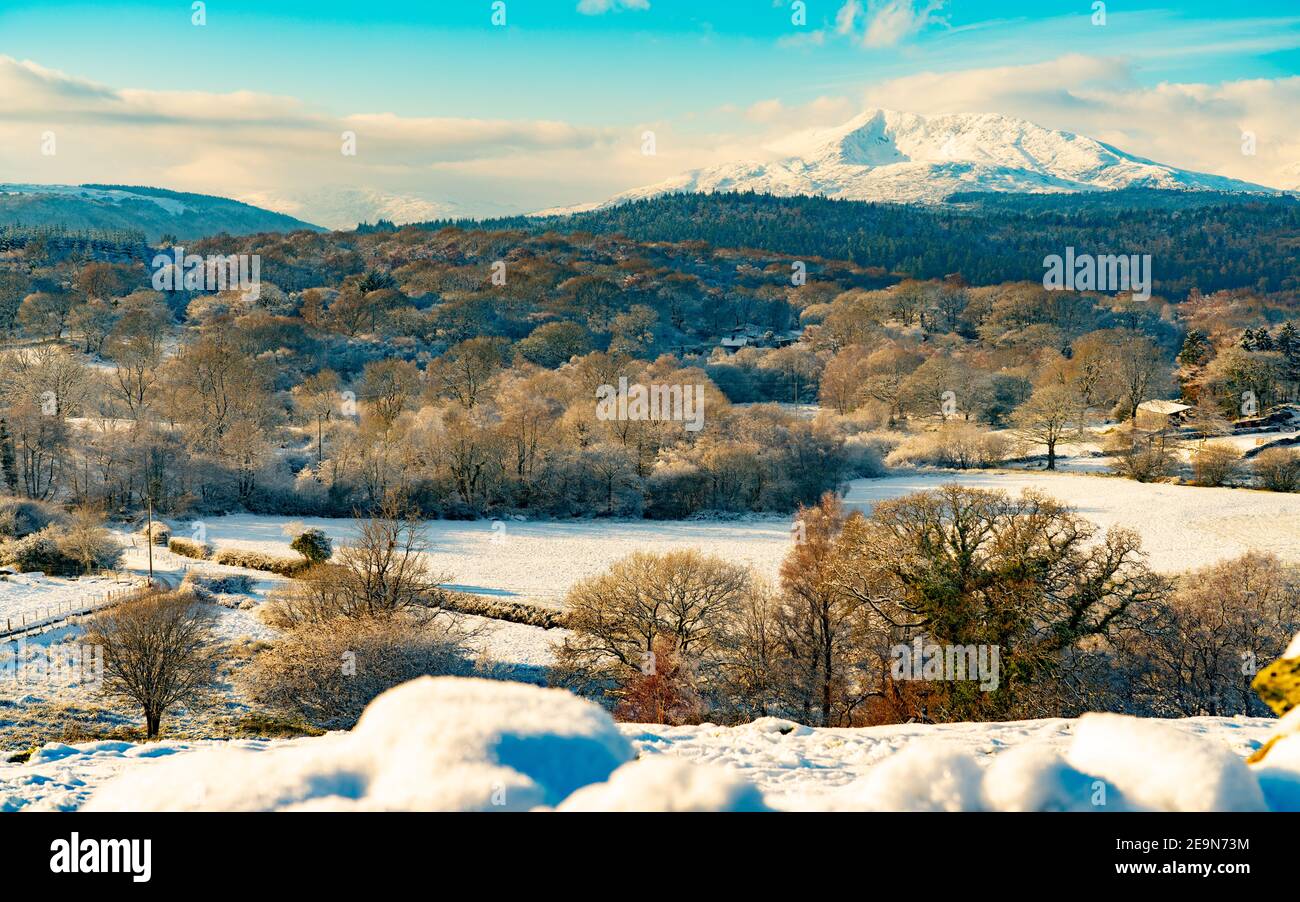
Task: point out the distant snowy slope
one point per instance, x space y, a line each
154 211
883 155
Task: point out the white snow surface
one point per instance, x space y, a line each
1181 527
39 597
533 561
1161 768
467 744
112 195
899 157
441 744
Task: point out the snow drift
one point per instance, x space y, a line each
452 744
443 744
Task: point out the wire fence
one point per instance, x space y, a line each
54 616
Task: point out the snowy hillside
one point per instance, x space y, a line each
154 211
883 155
458 744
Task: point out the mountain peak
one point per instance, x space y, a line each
901 157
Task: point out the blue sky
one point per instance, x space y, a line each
558 97
550 61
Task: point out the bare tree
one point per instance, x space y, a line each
464 371
158 652
619 618
136 347
1138 367
386 570
317 596
86 540
1198 653
317 397
389 386
818 617
1048 418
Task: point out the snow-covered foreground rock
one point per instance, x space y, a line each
459 744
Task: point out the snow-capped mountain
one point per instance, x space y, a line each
343 208
883 155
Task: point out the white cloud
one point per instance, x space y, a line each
892 21
847 16
599 7
270 149
766 111
280 152
819 112
886 23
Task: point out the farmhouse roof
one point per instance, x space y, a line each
1163 407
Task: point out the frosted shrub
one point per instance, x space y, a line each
1215 465
328 672
962 446
256 560
37 553
863 457
1278 470
502 609
85 540
62 551
1141 459
22 517
206 587
188 548
157 534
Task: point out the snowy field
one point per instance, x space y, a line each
1180 526
35 596
455 744
537 562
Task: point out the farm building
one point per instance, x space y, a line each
1158 415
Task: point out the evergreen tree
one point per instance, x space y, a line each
8 467
1196 350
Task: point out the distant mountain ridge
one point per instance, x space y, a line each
889 156
154 211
